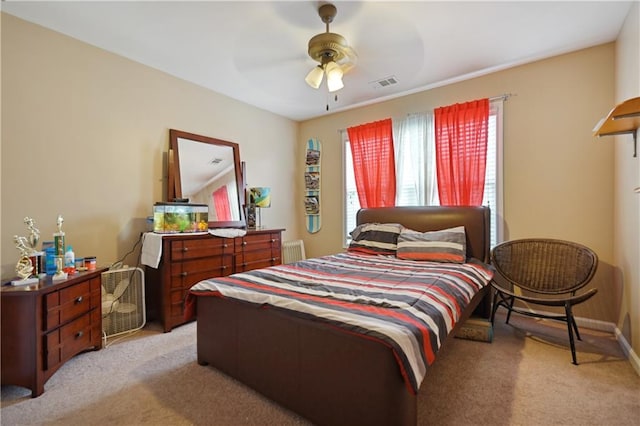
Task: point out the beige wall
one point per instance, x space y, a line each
626 231
85 132
558 177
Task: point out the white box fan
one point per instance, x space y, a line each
123 308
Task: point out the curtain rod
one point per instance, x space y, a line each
504 97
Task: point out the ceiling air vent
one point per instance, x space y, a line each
384 82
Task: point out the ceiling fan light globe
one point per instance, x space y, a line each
335 84
314 78
334 77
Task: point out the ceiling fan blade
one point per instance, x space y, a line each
347 66
350 55
256 64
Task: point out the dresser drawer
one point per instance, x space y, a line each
199 248
66 304
256 260
258 242
177 298
67 341
258 251
189 272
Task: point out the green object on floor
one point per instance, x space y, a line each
476 329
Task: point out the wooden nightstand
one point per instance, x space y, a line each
47 323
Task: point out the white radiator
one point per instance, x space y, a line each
293 251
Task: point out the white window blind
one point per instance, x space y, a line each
351 202
492 186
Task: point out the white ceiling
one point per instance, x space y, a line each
256 52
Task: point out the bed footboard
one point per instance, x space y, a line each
325 375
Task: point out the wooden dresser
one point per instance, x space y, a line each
47 323
188 259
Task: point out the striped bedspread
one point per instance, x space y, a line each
408 305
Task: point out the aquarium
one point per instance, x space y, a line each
170 218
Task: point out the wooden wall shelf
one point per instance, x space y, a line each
623 119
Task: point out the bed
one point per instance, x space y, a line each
329 372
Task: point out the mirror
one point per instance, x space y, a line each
206 170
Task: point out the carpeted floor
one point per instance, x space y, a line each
525 377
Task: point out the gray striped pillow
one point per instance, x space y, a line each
375 238
447 245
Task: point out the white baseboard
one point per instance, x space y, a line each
596 324
613 329
622 341
632 356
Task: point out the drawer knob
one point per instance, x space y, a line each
273 240
185 249
244 243
79 334
225 245
79 300
183 274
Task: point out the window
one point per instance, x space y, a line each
417 184
493 180
352 204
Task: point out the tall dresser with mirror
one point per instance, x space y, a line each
200 169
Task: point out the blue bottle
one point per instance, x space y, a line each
50 260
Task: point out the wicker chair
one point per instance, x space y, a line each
550 272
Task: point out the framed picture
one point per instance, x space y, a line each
312 181
313 157
312 204
251 216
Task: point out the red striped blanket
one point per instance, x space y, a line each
411 306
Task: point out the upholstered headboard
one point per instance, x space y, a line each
476 221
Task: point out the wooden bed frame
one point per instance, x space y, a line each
324 374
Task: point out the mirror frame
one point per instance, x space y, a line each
174 187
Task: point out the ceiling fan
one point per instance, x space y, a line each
331 51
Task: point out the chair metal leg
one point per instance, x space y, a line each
575 327
570 326
510 308
494 306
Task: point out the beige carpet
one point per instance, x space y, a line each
525 377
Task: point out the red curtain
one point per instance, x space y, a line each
221 203
461 152
374 163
